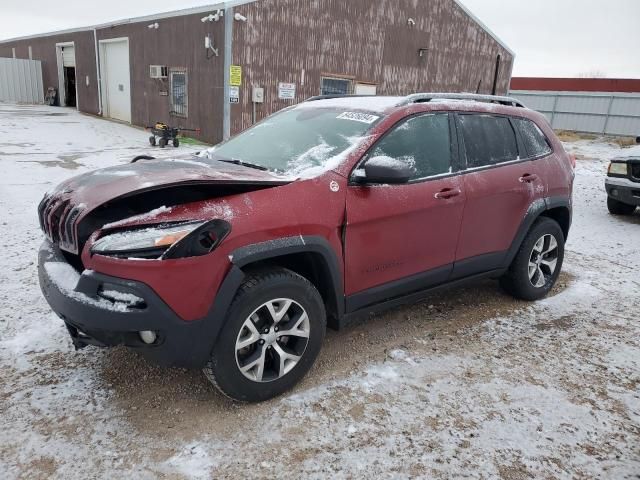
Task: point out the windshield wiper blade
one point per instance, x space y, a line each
246 164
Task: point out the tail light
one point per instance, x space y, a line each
572 159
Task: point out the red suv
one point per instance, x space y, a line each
237 259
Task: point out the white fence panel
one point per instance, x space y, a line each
589 112
21 81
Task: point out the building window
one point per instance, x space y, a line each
179 98
335 86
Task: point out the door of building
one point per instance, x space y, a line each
116 79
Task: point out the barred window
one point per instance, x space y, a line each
335 86
179 98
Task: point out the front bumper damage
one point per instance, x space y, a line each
105 311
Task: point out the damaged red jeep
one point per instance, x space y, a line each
237 259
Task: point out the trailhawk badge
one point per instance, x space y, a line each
334 186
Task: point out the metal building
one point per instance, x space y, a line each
591 105
224 66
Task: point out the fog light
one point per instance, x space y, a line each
614 192
148 337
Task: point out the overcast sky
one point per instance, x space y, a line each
550 37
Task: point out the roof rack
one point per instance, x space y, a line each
330 97
428 97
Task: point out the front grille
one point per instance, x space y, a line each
58 222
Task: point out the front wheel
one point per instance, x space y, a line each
537 265
271 338
618 208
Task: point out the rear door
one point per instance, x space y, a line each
499 186
402 238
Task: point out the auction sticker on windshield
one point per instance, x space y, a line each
359 117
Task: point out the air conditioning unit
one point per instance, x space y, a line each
158 71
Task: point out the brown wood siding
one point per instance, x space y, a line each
44 49
177 43
371 42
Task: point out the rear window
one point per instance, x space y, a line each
488 140
535 142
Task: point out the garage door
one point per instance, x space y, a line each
68 56
116 83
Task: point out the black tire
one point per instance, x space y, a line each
162 142
152 141
618 208
517 281
223 368
176 142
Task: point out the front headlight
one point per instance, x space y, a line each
618 168
144 243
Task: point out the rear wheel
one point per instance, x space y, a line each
537 265
618 208
162 142
176 142
152 141
272 336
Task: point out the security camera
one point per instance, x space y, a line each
154 26
213 17
240 18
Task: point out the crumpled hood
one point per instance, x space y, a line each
95 188
73 210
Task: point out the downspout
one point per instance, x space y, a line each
228 52
98 79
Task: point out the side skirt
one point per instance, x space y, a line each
416 296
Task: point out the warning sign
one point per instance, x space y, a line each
235 79
287 91
234 94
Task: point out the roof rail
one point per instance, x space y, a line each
329 97
427 97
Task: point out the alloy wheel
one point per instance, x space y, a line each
272 340
543 260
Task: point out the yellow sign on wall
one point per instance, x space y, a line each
235 79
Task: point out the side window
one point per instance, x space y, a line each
534 140
423 142
488 140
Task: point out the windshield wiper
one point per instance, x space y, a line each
246 164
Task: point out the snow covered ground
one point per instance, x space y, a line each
469 383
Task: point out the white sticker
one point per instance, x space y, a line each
334 186
359 117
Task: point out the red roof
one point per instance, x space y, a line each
576 84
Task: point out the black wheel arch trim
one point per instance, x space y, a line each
273 249
536 209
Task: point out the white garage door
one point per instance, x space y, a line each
116 83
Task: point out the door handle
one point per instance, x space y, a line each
447 193
528 178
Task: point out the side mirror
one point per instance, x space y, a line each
386 170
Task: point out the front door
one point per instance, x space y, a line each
402 238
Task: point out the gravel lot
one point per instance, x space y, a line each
469 383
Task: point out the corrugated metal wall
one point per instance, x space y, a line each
366 41
589 112
21 81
